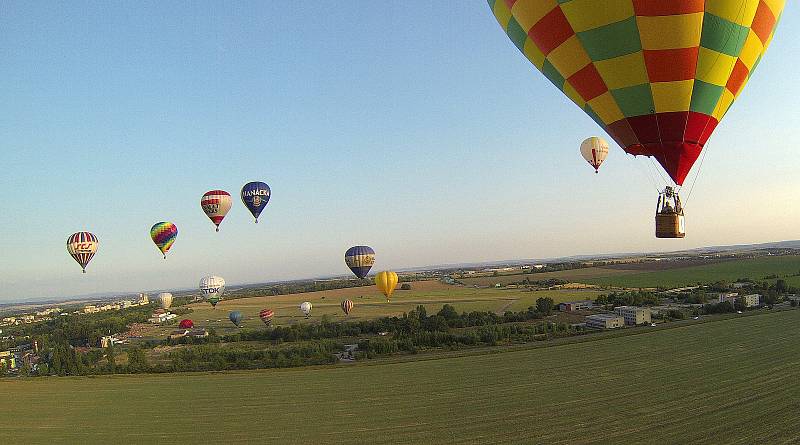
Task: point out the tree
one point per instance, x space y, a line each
137 362
544 305
110 356
781 287
405 286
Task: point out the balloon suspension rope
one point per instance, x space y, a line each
699 167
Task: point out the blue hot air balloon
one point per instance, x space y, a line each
360 260
255 196
236 317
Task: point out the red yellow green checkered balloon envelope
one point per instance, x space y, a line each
656 75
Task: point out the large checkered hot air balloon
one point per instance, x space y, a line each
656 75
216 205
82 246
163 235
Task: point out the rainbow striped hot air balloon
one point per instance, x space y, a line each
82 246
216 205
163 235
656 75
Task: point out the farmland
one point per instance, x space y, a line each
660 274
370 303
663 386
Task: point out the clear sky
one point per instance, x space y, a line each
415 127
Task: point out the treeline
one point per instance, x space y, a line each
629 298
86 329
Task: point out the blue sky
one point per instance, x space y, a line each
414 127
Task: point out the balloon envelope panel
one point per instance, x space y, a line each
655 75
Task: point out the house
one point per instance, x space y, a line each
198 333
633 315
604 321
178 334
575 305
8 360
727 296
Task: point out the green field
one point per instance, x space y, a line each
726 381
660 276
755 268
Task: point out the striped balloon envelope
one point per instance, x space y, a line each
266 316
360 260
163 235
216 205
82 246
347 306
656 75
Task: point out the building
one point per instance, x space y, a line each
198 333
633 315
575 305
8 360
161 317
752 300
604 321
178 334
144 299
90 309
729 296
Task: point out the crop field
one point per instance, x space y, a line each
663 274
725 381
755 268
368 303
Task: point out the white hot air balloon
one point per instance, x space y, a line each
166 300
594 150
212 286
305 307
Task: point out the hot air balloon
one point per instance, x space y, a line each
216 204
266 316
212 287
255 196
386 282
360 260
657 76
347 306
236 318
186 324
594 150
166 300
305 308
163 235
82 246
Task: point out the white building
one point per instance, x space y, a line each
604 321
633 315
752 300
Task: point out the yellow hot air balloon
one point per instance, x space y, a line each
386 282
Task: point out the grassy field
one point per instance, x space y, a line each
369 303
756 268
730 381
637 275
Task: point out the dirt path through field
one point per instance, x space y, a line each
503 309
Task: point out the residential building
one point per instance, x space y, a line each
752 300
633 315
729 296
178 334
144 299
90 309
604 321
575 305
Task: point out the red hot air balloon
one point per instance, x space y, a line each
266 316
216 205
186 324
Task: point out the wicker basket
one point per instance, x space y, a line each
670 225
